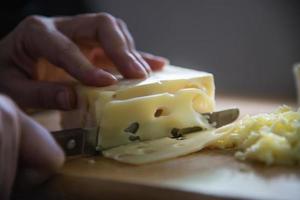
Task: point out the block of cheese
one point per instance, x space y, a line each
161 149
152 108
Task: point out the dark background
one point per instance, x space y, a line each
250 45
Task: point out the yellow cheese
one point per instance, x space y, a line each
137 119
161 149
145 109
176 111
269 138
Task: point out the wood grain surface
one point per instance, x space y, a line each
206 174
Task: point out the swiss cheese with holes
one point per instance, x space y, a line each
148 109
164 148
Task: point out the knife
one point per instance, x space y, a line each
223 117
80 141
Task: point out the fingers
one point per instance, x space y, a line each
38 159
44 152
36 94
44 37
40 38
9 141
24 139
45 95
148 61
156 62
131 45
116 44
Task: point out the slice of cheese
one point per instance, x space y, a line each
145 109
161 149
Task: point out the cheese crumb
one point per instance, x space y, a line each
272 138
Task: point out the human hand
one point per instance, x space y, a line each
36 159
53 39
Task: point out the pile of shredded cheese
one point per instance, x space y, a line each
269 138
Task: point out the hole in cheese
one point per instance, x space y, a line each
175 133
134 138
132 128
161 112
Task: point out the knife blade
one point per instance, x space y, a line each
80 141
222 117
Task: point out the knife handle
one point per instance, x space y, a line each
72 141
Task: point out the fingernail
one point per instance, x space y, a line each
138 70
162 59
63 100
105 78
146 66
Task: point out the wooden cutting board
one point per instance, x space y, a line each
203 175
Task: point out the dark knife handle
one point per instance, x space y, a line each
72 141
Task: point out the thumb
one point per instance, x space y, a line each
38 160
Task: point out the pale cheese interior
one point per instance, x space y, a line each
178 95
178 110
